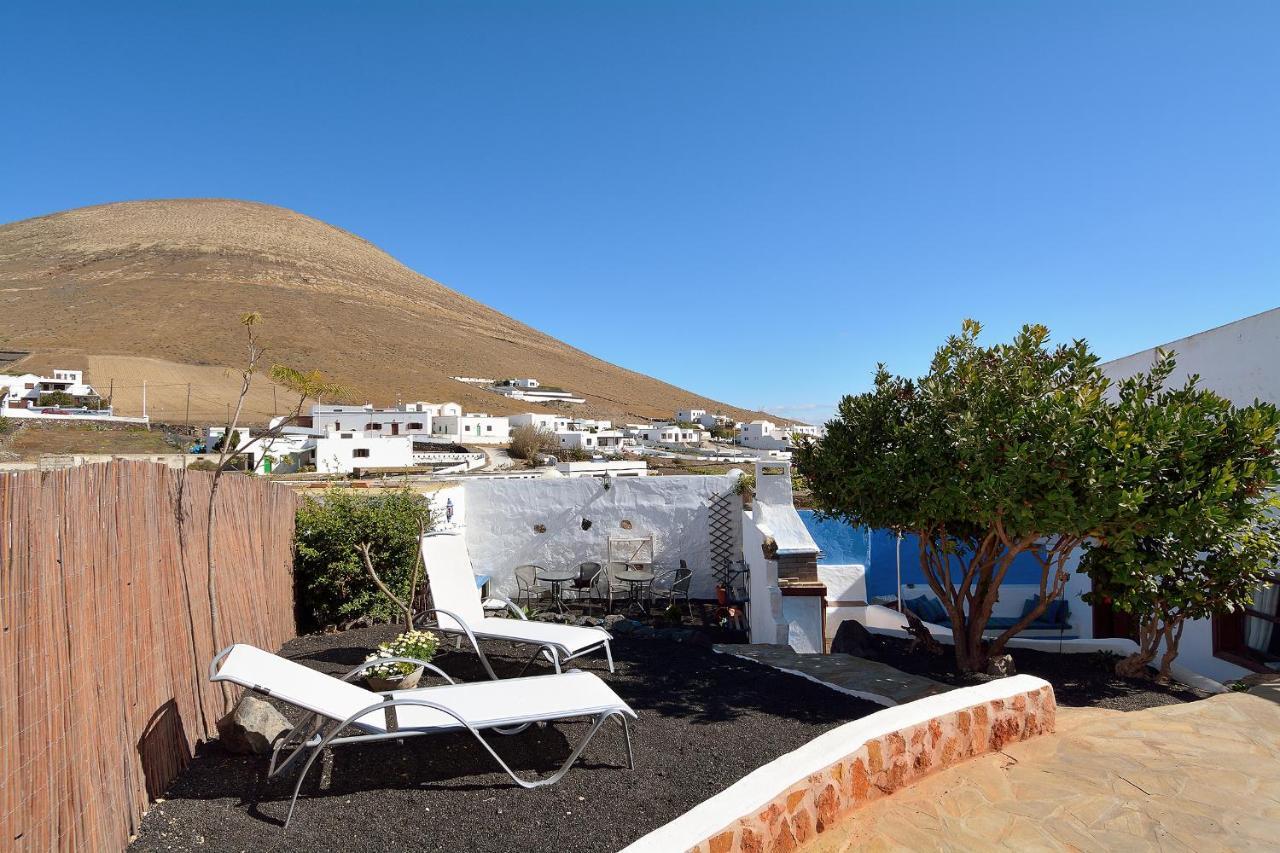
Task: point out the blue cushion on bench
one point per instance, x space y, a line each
928 609
1055 615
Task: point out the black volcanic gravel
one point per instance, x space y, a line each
1079 679
706 720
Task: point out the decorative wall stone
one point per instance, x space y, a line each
881 766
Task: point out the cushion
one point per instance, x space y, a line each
1054 614
928 609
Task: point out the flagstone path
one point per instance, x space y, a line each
1198 776
860 677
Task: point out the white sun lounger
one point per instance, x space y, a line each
458 610
334 704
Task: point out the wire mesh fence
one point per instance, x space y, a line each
105 636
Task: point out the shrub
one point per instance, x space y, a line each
222 440
331 583
529 442
411 644
572 454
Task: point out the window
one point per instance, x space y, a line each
415 425
360 453
488 427
467 428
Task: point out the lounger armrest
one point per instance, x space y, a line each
217 660
510 605
380 661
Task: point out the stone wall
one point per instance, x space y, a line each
788 803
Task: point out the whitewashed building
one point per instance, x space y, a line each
667 433
472 428
604 468
534 391
703 418
23 391
343 451
1240 361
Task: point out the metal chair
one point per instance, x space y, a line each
607 587
672 586
585 582
528 587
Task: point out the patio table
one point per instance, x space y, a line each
638 579
557 578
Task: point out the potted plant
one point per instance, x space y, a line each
401 676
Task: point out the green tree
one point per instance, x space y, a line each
996 452
339 536
56 400
1203 531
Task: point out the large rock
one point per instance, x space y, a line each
853 638
252 728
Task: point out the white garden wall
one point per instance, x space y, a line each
502 517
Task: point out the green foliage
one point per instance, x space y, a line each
573 454
7 425
724 432
420 645
1202 529
56 399
332 585
529 442
745 487
997 451
222 441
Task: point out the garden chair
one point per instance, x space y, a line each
585 582
332 705
672 586
608 588
457 608
528 587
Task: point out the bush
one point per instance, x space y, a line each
529 442
572 454
222 440
330 580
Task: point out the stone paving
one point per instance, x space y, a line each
866 678
1197 776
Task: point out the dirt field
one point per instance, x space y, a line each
31 440
169 280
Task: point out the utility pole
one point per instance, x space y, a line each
187 418
144 404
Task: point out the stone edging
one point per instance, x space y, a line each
790 800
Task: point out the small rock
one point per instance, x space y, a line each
613 619
1000 666
252 727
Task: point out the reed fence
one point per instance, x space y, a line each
105 636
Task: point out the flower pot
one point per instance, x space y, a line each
722 596
401 682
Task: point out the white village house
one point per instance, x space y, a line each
24 390
1240 361
668 433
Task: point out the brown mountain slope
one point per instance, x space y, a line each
152 291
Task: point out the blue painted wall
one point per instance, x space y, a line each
843 544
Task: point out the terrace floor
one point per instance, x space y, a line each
705 720
1197 776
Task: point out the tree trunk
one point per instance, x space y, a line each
971 652
1149 635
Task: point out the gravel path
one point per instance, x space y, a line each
705 721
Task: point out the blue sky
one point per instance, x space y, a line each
758 201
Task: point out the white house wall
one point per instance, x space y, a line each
1237 360
502 515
